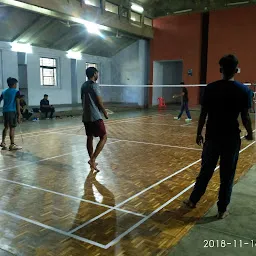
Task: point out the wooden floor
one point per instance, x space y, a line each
51 204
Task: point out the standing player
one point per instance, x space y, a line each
92 119
11 112
184 105
223 101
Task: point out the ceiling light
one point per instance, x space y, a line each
74 55
88 2
182 11
238 3
137 8
93 28
16 47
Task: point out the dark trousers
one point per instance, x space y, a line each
48 110
228 152
184 106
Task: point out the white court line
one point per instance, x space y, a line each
90 221
171 125
71 197
113 242
139 193
161 145
154 185
53 229
117 239
188 124
138 142
49 158
46 131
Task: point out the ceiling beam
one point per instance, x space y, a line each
77 44
39 24
106 20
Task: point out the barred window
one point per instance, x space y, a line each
48 71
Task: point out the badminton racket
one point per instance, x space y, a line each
109 112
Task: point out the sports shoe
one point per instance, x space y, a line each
188 120
222 215
3 146
176 118
14 147
189 204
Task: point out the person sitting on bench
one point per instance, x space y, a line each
45 107
23 108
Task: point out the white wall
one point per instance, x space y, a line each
104 66
60 94
129 67
172 74
158 70
166 73
8 64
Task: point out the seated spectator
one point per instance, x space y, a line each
23 108
45 107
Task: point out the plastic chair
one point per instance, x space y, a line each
161 102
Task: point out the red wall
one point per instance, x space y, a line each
179 38
233 31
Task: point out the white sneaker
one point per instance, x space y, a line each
176 118
14 147
188 120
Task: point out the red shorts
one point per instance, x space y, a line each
96 129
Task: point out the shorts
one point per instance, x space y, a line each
95 129
10 119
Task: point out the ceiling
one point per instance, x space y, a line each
156 8
29 27
23 26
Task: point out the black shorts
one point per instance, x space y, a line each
10 119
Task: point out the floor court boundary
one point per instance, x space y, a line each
117 239
49 158
155 184
113 242
46 131
59 231
138 142
157 144
70 196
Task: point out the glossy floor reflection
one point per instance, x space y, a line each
52 204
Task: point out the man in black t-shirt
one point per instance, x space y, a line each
222 103
184 105
45 107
